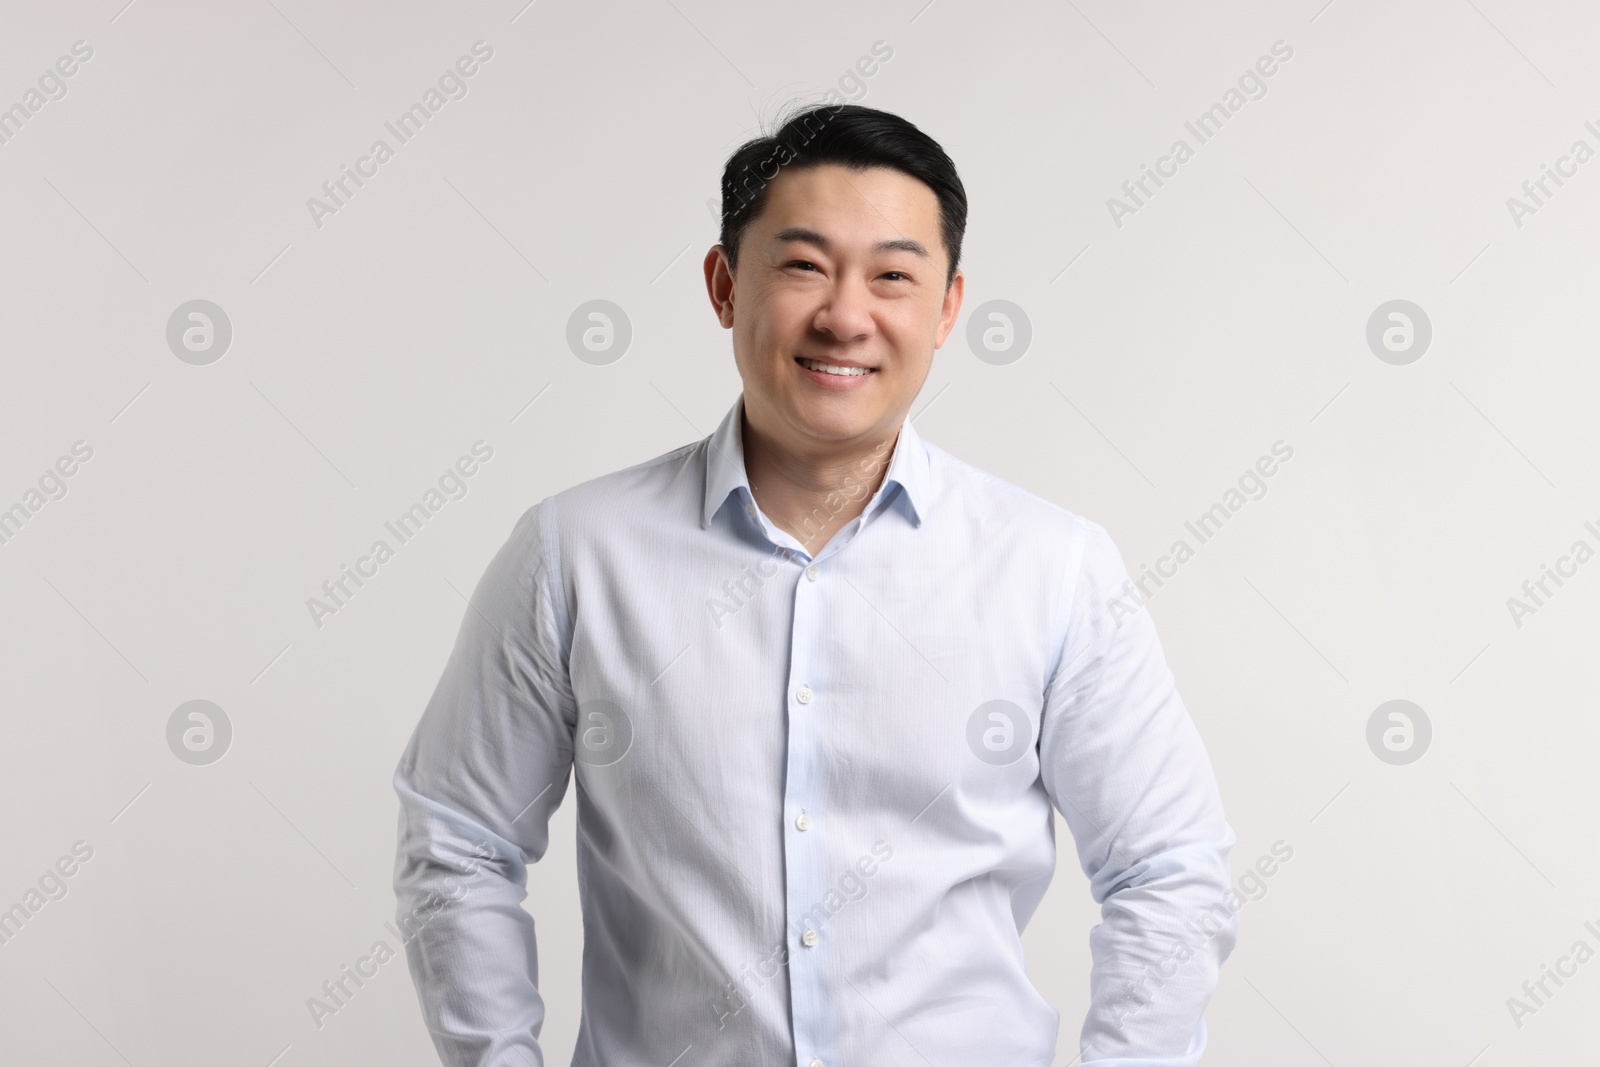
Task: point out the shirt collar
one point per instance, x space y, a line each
725 469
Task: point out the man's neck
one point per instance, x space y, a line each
812 496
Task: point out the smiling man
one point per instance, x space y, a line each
821 686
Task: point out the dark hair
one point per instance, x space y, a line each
852 136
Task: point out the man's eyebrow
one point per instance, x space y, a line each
898 244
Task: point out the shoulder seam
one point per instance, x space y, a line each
1071 573
551 546
592 484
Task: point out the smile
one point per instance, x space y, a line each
827 368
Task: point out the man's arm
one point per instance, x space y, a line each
1125 766
487 765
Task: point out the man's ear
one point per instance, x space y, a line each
719 284
951 308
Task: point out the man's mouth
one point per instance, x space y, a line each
830 368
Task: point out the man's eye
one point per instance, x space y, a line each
896 276
804 264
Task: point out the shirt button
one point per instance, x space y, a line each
809 939
802 821
804 695
811 572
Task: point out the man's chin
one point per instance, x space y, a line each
836 418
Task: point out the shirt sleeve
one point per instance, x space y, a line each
484 770
1125 766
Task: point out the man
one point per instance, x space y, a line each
820 684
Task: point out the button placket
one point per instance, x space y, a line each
804 793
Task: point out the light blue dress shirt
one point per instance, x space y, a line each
814 792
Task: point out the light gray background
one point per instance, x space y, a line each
430 312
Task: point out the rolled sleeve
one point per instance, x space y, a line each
486 766
1123 763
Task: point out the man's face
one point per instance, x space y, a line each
843 268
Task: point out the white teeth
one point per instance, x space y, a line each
842 372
